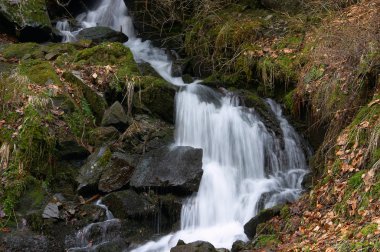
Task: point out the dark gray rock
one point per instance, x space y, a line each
90 172
264 216
51 211
115 116
101 34
178 170
117 173
24 241
130 205
198 246
307 181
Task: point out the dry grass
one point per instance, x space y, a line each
340 75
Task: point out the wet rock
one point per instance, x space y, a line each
24 241
178 170
102 34
307 181
90 172
118 172
104 135
51 211
115 116
198 246
264 216
130 205
71 149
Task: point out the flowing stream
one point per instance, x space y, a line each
246 166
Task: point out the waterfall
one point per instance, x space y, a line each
246 167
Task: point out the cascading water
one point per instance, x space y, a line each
246 167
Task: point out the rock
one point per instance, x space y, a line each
51 56
90 172
51 211
70 149
264 216
178 170
104 135
147 133
24 241
156 97
117 173
115 116
102 34
28 20
238 246
198 246
96 101
307 181
130 205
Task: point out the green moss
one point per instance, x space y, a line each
105 158
81 121
27 12
356 180
38 71
264 241
289 100
315 73
19 50
106 54
369 229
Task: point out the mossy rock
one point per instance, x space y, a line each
107 54
29 20
19 50
40 72
156 97
96 101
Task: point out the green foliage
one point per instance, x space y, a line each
264 241
369 229
81 121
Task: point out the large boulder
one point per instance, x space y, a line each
264 216
28 20
178 170
101 34
198 246
130 205
105 171
117 173
156 97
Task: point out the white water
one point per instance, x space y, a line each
244 164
